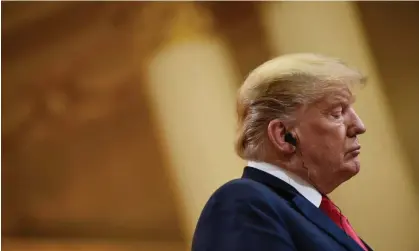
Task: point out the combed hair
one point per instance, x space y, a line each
278 87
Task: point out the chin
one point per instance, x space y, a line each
353 167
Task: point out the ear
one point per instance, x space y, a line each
276 134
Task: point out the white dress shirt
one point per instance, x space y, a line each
303 187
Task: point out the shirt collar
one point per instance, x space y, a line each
303 187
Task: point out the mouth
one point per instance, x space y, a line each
355 151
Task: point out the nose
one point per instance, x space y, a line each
356 126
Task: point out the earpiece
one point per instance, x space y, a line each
290 139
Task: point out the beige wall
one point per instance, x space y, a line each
380 201
398 63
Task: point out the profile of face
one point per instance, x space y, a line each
327 140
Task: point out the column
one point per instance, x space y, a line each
192 85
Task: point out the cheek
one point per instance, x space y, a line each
326 143
336 137
328 134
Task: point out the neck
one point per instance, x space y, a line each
304 173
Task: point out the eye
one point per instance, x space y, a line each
337 113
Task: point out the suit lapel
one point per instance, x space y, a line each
369 248
308 210
323 222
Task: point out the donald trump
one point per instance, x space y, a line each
299 132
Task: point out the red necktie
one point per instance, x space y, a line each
334 213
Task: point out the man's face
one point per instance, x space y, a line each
328 141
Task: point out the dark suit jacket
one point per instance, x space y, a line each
262 212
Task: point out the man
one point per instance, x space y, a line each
298 131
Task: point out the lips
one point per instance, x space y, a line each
355 151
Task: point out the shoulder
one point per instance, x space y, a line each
244 215
242 188
242 194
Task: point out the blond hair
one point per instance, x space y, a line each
277 88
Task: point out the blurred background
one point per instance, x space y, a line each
118 118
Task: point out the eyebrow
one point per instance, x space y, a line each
336 100
339 98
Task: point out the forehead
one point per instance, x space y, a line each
338 97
